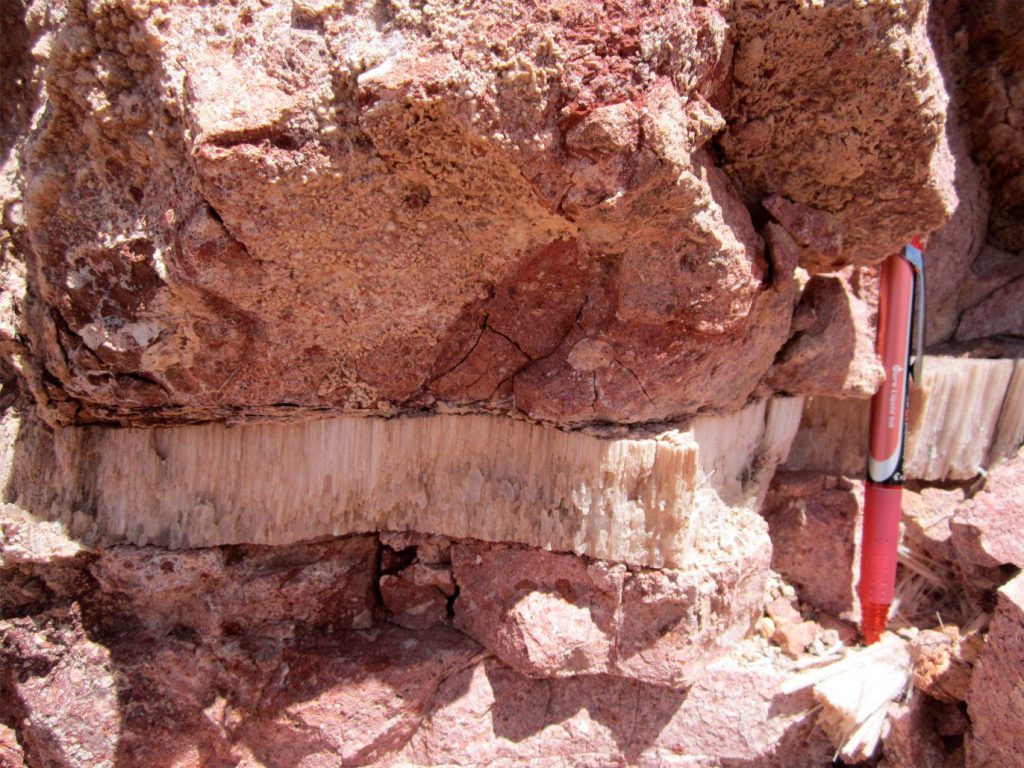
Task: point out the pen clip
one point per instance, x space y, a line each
914 256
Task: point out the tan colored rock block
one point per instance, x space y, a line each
659 499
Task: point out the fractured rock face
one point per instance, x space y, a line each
832 351
488 714
376 207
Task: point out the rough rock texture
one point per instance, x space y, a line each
832 103
996 702
995 77
553 615
649 498
66 702
914 741
11 753
986 531
927 518
943 663
833 349
245 590
234 208
104 677
813 521
625 219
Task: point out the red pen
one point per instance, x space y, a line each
900 314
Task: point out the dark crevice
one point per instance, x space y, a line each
509 339
629 370
476 341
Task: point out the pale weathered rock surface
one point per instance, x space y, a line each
825 113
996 701
649 498
988 530
555 615
735 715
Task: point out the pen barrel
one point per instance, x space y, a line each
879 543
889 404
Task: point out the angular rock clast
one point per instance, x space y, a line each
996 699
824 115
986 530
554 615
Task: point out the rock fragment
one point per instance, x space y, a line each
996 700
832 65
556 615
986 530
832 351
943 662
812 521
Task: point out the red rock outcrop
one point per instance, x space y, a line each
507 208
555 615
272 209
